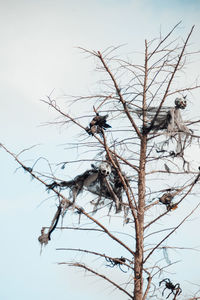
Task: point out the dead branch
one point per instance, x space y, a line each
82 266
97 254
166 237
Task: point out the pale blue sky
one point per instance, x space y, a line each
38 54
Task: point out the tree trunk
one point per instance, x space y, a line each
138 265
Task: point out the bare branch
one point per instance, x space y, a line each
171 232
120 95
97 274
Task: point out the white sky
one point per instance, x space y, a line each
38 54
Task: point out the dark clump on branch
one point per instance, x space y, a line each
116 262
97 124
27 169
166 199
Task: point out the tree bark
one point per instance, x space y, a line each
138 265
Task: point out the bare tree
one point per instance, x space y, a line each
131 141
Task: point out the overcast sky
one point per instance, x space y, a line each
38 54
